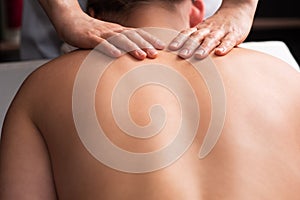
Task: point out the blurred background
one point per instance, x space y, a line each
278 20
10 25
274 20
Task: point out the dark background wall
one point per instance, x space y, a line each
278 20
278 8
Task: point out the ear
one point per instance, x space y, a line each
91 12
197 13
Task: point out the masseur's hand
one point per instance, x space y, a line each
79 29
220 33
87 32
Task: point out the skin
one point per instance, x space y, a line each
227 28
87 32
256 157
219 33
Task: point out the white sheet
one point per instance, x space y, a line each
11 77
13 74
274 48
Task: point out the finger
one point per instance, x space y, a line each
121 42
107 48
124 43
181 38
112 32
227 44
193 43
209 43
138 54
189 48
155 42
141 43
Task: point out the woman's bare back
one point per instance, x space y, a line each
256 156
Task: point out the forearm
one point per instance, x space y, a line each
60 11
55 6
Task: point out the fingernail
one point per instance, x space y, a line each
116 53
160 44
184 52
152 52
221 49
200 52
141 53
174 44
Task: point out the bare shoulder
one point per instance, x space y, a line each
241 58
50 78
255 81
60 66
245 65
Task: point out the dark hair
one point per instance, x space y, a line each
117 10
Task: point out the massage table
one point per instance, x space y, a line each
12 74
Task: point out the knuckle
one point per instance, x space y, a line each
193 42
185 32
228 43
122 36
188 31
200 34
109 34
142 32
212 37
129 32
208 44
144 44
218 33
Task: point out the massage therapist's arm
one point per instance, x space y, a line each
79 29
25 169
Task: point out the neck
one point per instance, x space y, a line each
154 15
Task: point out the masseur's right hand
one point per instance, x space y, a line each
80 30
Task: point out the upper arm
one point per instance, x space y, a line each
25 169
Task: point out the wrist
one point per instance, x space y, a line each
239 7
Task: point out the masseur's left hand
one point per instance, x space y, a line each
220 33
